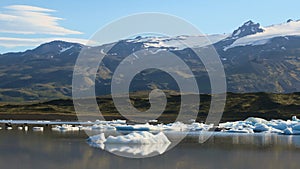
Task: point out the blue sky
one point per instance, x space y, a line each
78 20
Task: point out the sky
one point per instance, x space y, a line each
24 24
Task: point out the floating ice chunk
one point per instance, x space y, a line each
97 141
86 128
137 143
102 127
290 131
110 122
239 130
294 118
278 124
140 127
260 127
200 127
255 120
108 127
265 128
119 121
65 127
100 138
296 127
177 126
227 124
246 130
238 125
97 127
132 128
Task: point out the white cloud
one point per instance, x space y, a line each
29 8
24 19
30 42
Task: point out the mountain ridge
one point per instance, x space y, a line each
45 72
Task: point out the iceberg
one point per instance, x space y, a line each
177 126
97 141
132 128
246 130
65 127
294 118
290 131
136 144
259 125
296 127
142 131
255 120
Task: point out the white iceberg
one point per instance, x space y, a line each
290 131
261 127
136 144
137 127
237 130
97 141
200 126
294 118
65 127
177 126
296 127
255 120
254 124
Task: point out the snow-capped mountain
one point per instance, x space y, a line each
255 59
248 28
250 33
290 28
179 42
59 46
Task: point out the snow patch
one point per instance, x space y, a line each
65 49
179 42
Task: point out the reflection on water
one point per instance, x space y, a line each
258 139
51 150
144 150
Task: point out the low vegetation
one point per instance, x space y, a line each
238 107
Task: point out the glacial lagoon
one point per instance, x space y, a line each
50 149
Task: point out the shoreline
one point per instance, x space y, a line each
238 107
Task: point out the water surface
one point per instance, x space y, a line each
54 150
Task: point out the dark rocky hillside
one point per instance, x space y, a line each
45 73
